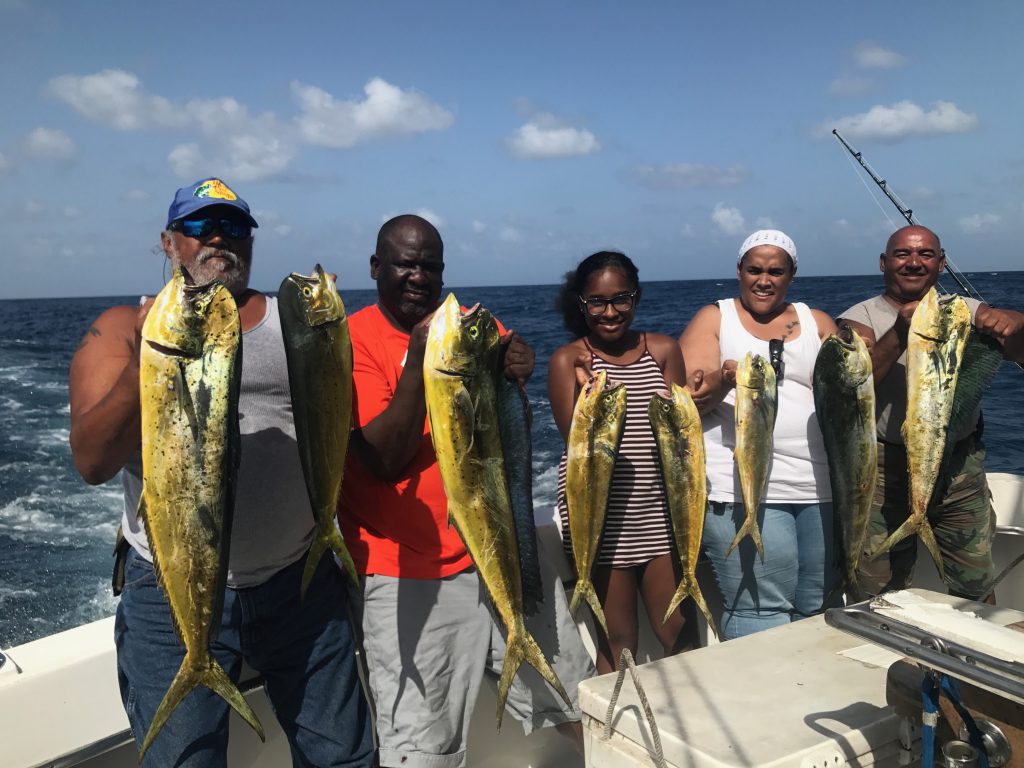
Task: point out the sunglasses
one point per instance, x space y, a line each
231 228
596 306
775 347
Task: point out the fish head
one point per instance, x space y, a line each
461 342
755 372
181 313
660 408
937 319
847 356
314 297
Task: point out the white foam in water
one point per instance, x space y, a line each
545 486
8 593
99 606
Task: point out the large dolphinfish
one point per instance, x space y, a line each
319 352
756 404
598 421
936 341
844 401
189 373
677 431
460 366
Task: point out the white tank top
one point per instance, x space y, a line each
798 472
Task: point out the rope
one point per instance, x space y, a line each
626 660
1016 561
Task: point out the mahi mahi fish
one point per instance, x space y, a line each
514 427
756 405
844 401
680 439
936 341
460 366
319 353
189 373
598 421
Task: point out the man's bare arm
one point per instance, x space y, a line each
104 394
389 442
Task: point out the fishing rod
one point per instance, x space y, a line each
907 214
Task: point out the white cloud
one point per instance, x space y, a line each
33 208
429 215
5 164
764 222
136 194
544 136
387 110
283 230
510 234
689 175
71 212
227 139
728 220
49 144
979 222
116 99
901 120
478 226
873 56
849 85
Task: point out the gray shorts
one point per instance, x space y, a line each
428 643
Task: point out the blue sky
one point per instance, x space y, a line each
532 134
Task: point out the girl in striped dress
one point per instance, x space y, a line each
598 301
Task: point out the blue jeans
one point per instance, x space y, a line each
304 650
799 571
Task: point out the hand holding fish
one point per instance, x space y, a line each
708 389
581 367
1000 323
519 358
902 324
417 344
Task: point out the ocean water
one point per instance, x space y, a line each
57 533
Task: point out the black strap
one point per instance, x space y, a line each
121 547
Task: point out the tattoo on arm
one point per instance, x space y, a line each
93 332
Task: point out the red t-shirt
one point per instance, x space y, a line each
393 527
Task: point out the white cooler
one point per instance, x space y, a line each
800 695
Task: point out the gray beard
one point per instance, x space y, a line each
235 277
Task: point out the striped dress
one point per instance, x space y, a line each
637 527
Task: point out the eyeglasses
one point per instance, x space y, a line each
232 228
775 347
596 306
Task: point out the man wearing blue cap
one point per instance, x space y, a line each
303 649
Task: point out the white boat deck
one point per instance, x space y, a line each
59 702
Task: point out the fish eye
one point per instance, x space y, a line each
474 331
307 291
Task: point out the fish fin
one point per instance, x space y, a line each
909 527
927 536
978 366
210 674
326 537
751 527
185 401
519 646
585 591
465 415
689 587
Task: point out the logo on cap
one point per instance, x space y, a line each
216 189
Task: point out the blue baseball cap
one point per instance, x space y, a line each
204 194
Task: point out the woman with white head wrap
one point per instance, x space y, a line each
797 574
